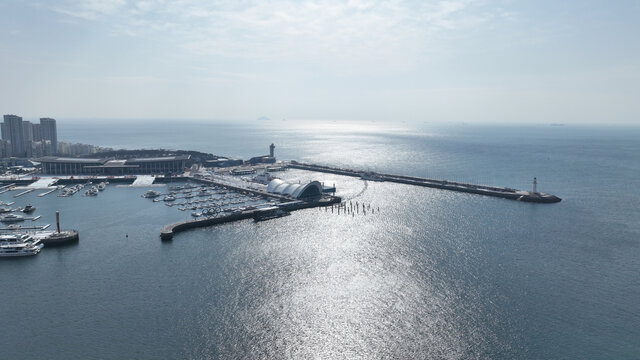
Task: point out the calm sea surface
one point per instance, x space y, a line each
433 274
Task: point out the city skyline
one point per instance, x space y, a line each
22 138
451 61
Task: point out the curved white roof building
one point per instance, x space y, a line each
296 191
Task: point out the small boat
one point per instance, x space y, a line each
29 209
91 192
169 198
102 186
151 194
5 210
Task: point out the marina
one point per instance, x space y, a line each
212 198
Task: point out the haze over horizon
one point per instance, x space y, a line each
459 60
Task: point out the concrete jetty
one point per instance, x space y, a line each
501 192
169 230
64 237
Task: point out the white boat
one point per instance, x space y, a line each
102 186
19 245
263 178
91 192
11 218
203 192
14 238
169 198
24 249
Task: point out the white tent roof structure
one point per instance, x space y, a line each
296 191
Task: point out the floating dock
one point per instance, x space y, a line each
48 192
501 192
23 193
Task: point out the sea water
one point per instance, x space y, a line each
428 274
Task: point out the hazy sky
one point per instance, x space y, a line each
463 61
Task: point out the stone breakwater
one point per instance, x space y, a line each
501 192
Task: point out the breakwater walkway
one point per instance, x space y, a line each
501 192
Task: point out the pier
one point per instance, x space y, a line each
501 192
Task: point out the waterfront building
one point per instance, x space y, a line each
52 165
13 131
222 162
49 132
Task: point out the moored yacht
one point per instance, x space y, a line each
19 249
11 218
19 245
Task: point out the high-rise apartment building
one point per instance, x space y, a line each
27 132
20 138
13 131
37 132
49 132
